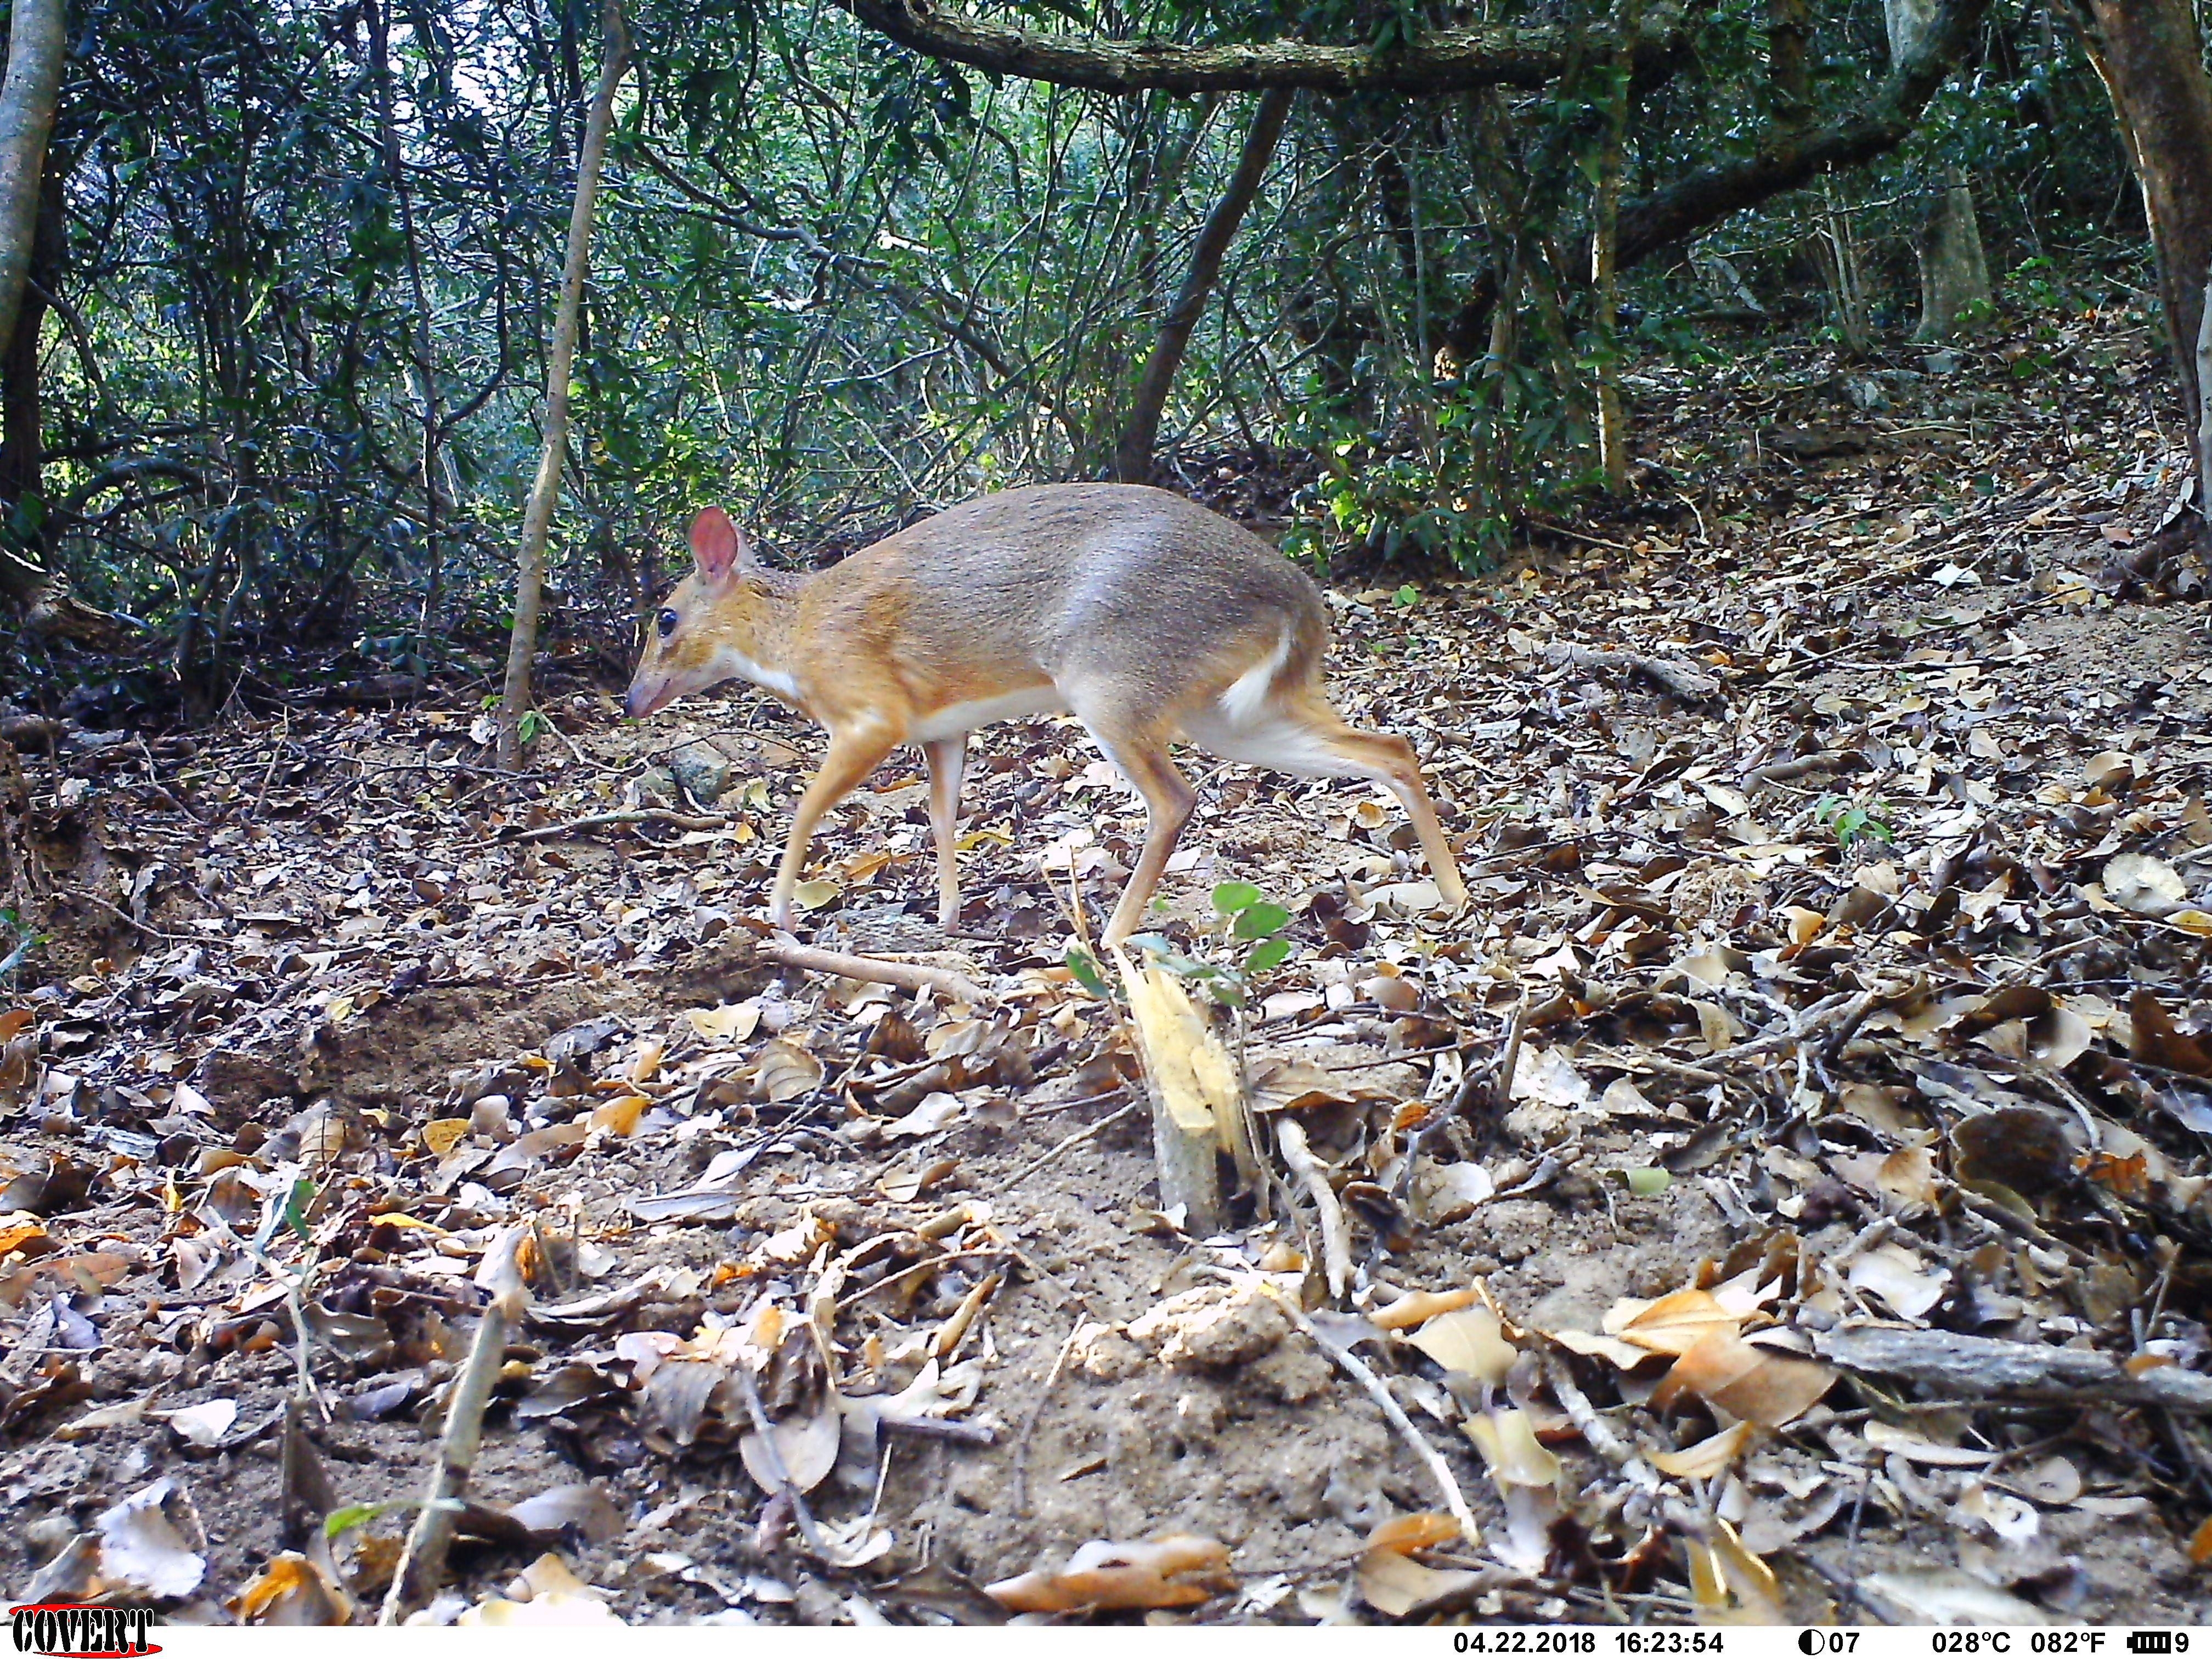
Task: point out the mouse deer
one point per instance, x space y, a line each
1144 615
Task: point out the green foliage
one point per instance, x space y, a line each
834 284
1251 920
1852 822
1085 966
26 940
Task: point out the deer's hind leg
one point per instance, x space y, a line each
948 764
1299 732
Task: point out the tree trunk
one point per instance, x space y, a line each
1954 274
36 41
568 317
35 45
1132 451
2150 59
22 436
1605 248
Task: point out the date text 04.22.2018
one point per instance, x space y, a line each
1537 1643
1480 1639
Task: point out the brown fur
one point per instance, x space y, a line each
1134 608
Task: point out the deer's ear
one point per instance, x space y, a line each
718 546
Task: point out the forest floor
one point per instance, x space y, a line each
1837 1250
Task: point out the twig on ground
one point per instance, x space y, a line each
938 1428
906 975
1785 771
1595 1431
1974 1367
424 1561
1679 678
1352 1366
1501 1091
1471 1084
603 820
1021 1492
1076 1139
1335 1241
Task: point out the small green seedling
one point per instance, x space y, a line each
1085 966
1249 918
1255 921
1851 821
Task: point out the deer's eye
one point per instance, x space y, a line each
668 621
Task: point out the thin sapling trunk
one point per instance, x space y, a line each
545 491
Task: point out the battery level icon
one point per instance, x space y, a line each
2150 1641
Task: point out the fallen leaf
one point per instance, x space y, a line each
582 1508
204 1425
1548 1078
1730 1584
1177 1570
1507 1440
292 1591
1417 1307
1469 1340
1916 1448
1754 1383
930 1113
1397 1586
1897 1276
1905 1177
1626 1355
815 894
2145 885
1947 1595
1193 1071
807 1446
441 1134
783 1071
1674 1324
1445 1192
561 1609
620 1115
151 1542
1710 1456
726 1022
1718 1028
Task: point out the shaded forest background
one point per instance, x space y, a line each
279 384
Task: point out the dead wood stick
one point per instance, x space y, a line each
1596 1432
1976 1367
938 1428
1470 1085
1501 1086
1352 1366
906 975
1692 684
602 820
1335 1240
1087 1133
1021 1461
424 1561
1785 771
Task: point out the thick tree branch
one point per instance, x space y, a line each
1788 156
1449 60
